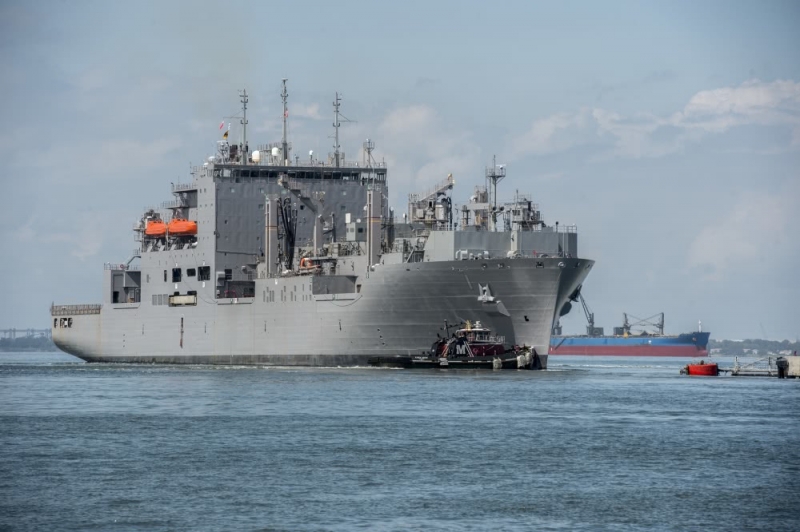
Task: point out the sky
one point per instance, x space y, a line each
668 132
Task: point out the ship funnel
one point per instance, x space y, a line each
373 209
271 234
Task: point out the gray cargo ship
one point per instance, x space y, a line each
266 258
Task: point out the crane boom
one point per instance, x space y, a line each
591 330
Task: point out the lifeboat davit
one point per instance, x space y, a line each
155 228
709 369
182 227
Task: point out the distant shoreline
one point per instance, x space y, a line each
54 349
27 344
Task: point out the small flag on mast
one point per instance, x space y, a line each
222 124
225 136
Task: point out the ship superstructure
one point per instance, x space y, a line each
267 258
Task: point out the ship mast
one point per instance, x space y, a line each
336 124
493 175
244 101
284 143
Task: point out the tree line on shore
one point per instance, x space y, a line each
752 347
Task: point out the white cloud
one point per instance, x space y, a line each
81 235
756 225
633 136
422 149
118 157
751 102
646 135
410 119
553 134
305 111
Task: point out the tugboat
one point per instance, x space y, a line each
704 369
471 346
470 340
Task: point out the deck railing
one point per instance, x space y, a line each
72 310
124 267
178 187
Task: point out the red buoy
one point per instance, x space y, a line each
703 369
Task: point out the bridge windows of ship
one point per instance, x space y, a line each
307 173
191 272
204 273
62 323
176 275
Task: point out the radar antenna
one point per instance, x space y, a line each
369 146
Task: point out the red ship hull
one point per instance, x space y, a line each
693 344
634 350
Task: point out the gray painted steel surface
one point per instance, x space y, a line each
381 289
399 311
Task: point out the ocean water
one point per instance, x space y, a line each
590 444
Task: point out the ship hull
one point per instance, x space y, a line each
399 310
684 345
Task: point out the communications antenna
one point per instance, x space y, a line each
369 145
494 174
336 124
244 101
284 143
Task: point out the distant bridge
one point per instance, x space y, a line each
25 333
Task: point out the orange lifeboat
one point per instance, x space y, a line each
155 228
182 227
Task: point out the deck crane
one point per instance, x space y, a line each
591 330
643 323
434 208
